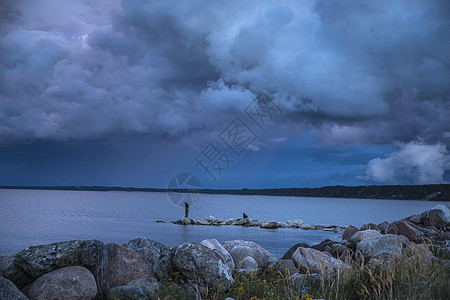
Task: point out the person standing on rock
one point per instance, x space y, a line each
186 210
244 216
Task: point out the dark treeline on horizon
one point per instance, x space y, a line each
429 192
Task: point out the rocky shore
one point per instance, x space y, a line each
212 221
92 269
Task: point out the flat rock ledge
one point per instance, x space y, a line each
212 221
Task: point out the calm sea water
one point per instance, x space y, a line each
34 217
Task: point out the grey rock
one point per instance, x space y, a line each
270 225
39 260
388 243
349 232
294 223
239 252
362 235
368 226
125 292
406 230
248 264
139 289
202 266
392 228
9 291
285 265
157 254
433 219
267 257
405 241
120 266
288 254
337 249
213 244
13 272
66 283
382 227
443 212
322 245
314 261
416 219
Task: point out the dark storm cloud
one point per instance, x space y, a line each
350 71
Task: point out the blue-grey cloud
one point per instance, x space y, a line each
351 72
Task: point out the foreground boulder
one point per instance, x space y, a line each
362 235
39 260
121 265
385 244
324 244
288 254
202 266
349 232
214 244
139 289
157 254
9 291
407 230
266 257
248 264
284 265
314 261
240 252
13 272
65 283
443 212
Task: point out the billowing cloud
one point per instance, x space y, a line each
415 162
350 71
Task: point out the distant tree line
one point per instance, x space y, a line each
429 192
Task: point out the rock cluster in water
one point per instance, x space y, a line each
212 221
94 270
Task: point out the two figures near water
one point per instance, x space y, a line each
186 211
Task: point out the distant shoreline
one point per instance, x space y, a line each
429 192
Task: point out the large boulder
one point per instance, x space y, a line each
349 232
39 260
443 212
382 227
288 254
314 261
121 265
383 244
285 265
13 272
392 228
157 254
267 257
324 244
248 264
139 289
432 219
202 266
9 291
66 283
362 235
214 244
239 252
368 226
406 230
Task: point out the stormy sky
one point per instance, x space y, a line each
239 93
